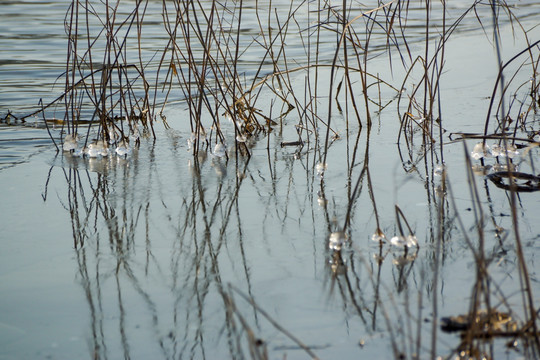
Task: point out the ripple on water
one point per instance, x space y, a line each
19 143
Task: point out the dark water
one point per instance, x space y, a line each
163 255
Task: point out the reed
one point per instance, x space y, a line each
115 92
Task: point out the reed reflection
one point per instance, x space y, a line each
145 279
193 260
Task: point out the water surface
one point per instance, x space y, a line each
150 256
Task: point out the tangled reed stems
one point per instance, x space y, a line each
120 90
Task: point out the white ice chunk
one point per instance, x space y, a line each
337 240
480 151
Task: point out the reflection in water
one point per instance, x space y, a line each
271 255
156 252
233 256
200 258
118 209
221 256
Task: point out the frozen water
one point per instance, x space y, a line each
241 138
219 150
123 149
321 168
481 170
412 241
191 141
504 167
97 149
321 200
398 241
439 170
480 151
112 136
378 236
402 241
511 151
104 148
336 240
70 142
497 150
92 150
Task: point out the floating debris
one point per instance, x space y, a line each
238 123
378 258
292 143
337 240
483 322
90 151
480 151
134 137
521 182
511 151
95 150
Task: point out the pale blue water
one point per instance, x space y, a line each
134 257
